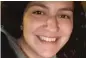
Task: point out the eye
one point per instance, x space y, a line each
64 16
38 12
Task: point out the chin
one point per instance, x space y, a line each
47 54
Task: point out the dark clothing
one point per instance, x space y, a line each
10 48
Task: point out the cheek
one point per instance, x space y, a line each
66 28
26 25
31 24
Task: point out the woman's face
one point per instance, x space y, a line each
47 26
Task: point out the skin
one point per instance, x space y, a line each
49 19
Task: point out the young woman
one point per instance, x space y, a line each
45 28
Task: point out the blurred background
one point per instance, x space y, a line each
84 5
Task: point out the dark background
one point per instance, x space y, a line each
10 21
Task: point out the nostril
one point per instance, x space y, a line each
53 30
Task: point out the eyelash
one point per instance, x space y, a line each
64 16
38 12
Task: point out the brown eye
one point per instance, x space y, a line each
64 16
38 12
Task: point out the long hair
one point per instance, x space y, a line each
75 48
12 13
12 16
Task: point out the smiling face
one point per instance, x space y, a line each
47 27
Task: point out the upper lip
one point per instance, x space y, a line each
50 36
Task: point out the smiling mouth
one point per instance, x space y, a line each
47 39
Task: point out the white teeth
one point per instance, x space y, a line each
47 39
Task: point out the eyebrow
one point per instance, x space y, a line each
66 9
43 6
37 4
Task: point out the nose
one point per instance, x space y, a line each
52 24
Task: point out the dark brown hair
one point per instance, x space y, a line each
12 13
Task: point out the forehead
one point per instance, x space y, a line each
51 3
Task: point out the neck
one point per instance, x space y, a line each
28 51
